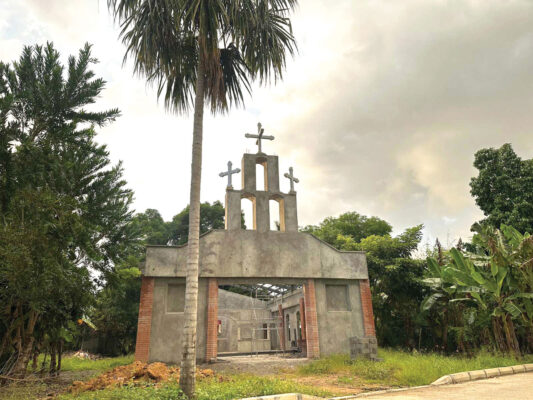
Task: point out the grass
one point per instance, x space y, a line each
397 369
81 364
400 368
102 364
238 386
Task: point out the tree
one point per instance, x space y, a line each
351 224
211 217
394 275
65 208
395 280
503 188
197 51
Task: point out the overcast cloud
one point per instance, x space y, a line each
381 112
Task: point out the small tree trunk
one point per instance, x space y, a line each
445 331
59 355
25 345
52 368
510 336
188 362
498 335
34 359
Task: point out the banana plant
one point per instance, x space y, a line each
488 278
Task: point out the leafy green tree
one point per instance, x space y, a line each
350 224
151 228
394 275
211 217
198 51
503 188
64 207
395 281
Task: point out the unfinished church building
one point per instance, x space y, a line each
260 290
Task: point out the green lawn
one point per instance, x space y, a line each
400 368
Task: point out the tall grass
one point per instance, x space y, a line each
407 369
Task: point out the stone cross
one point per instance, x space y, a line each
229 172
291 177
259 137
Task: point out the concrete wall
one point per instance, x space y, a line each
336 326
252 254
166 332
237 313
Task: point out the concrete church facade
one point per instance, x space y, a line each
304 294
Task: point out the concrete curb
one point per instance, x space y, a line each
482 374
460 377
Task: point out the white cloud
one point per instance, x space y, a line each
381 111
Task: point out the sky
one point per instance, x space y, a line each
380 112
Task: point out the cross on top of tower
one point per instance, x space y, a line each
228 173
290 177
259 137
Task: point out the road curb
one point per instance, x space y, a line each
451 379
482 374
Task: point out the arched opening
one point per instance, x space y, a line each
261 180
248 210
277 214
275 221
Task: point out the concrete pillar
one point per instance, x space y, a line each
248 172
272 169
290 212
311 320
144 324
281 327
262 212
233 210
366 305
302 317
212 320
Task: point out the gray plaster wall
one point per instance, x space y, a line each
239 313
336 327
166 330
252 254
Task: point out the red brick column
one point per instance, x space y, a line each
311 320
302 317
282 327
368 313
212 320
144 325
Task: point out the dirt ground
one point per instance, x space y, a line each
276 364
262 364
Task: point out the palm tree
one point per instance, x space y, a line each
197 51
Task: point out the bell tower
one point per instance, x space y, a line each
288 218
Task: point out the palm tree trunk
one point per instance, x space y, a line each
188 361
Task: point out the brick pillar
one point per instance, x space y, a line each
302 317
311 320
368 313
282 327
212 320
144 325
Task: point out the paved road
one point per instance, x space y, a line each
511 387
